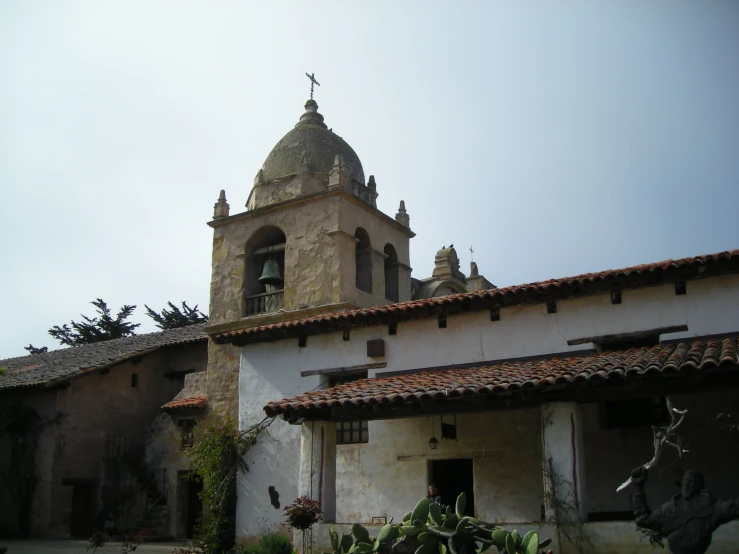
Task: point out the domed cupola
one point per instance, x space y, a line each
308 159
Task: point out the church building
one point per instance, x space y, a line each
535 400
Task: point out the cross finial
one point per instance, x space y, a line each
472 254
313 81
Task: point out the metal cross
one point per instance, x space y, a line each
313 81
472 254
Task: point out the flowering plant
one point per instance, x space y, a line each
303 513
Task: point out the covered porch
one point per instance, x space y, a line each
538 445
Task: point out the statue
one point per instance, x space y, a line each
688 519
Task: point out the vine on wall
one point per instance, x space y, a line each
217 456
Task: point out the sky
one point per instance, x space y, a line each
554 138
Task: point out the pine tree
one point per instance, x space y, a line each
33 350
96 329
174 318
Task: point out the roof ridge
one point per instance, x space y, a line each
133 338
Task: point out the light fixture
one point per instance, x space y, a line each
433 443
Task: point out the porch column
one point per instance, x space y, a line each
318 465
563 471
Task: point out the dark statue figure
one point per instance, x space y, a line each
688 519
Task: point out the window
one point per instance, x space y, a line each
116 446
135 380
350 432
363 260
391 273
186 427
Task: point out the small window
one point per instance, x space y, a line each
186 427
135 380
634 413
350 432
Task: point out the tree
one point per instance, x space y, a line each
174 318
96 329
33 350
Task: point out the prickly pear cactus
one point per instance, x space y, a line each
426 530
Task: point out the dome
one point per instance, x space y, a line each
312 144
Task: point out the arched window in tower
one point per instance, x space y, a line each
363 260
391 273
264 271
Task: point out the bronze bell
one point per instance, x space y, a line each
271 273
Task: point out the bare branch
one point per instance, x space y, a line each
662 436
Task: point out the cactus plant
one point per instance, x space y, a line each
426 530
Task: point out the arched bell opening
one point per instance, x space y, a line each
391 273
264 271
363 260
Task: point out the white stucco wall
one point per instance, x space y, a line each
389 475
370 479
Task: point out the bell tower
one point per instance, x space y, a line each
311 239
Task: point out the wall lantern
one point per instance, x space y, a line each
433 443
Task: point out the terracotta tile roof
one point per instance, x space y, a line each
664 360
189 402
68 363
640 275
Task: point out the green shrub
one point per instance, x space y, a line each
250 549
275 543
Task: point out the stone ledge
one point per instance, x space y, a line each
278 317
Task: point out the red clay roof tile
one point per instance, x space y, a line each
189 402
510 376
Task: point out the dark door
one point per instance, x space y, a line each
81 525
194 506
451 478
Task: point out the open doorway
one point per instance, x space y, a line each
82 510
190 507
451 478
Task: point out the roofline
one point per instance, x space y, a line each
629 278
84 370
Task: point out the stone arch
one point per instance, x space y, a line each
363 260
266 244
391 273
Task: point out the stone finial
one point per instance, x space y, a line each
311 115
372 188
473 270
402 216
220 209
446 266
340 175
259 179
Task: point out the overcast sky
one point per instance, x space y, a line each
556 138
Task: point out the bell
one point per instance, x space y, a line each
271 273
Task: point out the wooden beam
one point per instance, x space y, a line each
634 335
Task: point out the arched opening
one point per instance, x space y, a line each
391 273
363 260
264 271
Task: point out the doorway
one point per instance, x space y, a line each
190 506
81 524
451 478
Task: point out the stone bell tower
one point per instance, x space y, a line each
310 241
